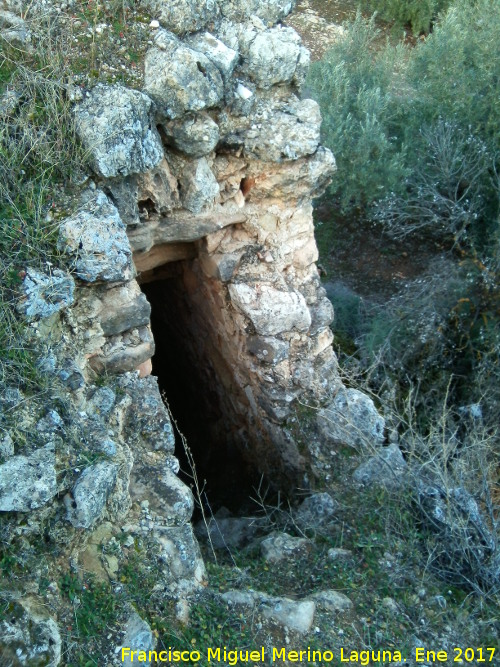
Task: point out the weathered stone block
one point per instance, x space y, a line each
271 56
271 311
28 482
96 239
46 294
198 185
114 125
352 419
90 494
195 134
223 57
267 349
180 79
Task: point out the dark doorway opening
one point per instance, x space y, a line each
190 383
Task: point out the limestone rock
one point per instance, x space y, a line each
96 239
271 56
194 134
181 554
114 125
180 79
168 496
271 311
315 511
14 30
46 293
268 349
183 16
275 131
293 614
28 482
138 637
351 419
282 546
125 351
270 11
337 553
147 417
293 133
227 531
6 446
198 185
90 494
297 616
223 57
123 308
28 638
332 601
386 468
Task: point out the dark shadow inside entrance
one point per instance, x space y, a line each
193 392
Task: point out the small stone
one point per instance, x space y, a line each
154 24
281 546
332 601
391 605
340 554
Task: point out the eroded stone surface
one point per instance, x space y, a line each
180 79
90 494
46 293
28 482
96 240
28 637
352 419
271 311
135 148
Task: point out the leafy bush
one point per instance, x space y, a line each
354 86
418 14
446 191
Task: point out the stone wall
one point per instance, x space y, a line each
215 165
207 172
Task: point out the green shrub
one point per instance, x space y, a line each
354 86
418 14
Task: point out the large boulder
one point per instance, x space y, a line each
115 127
180 79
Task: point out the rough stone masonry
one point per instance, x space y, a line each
213 165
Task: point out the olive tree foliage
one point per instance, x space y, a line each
416 134
416 131
419 15
354 85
